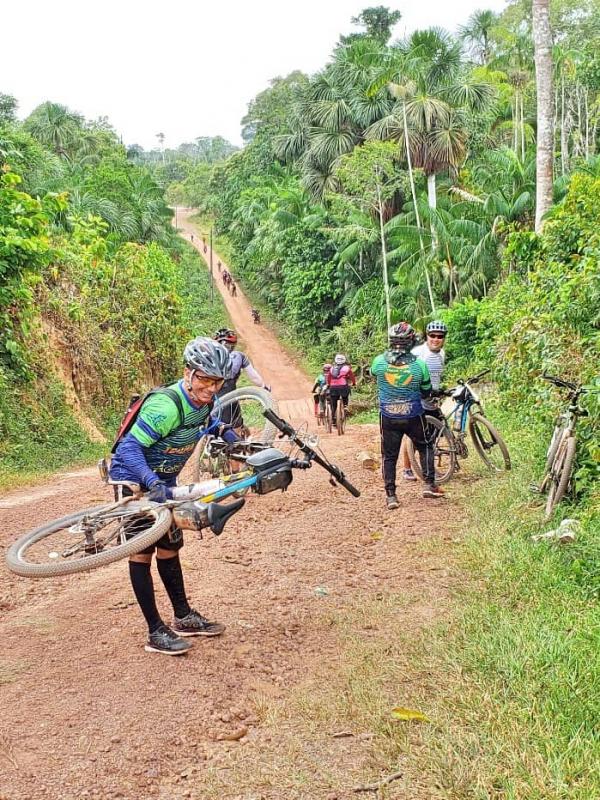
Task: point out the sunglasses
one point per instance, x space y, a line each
436 335
205 381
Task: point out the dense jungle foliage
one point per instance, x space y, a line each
96 291
423 151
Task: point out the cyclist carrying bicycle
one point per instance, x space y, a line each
432 353
238 361
402 383
153 454
339 380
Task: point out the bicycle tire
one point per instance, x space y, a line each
340 417
265 436
449 448
15 556
328 418
557 436
478 419
561 475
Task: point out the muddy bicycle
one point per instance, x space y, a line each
101 535
243 408
560 457
448 434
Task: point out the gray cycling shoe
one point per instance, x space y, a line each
392 502
194 624
164 640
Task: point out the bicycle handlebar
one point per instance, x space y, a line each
335 472
562 384
475 378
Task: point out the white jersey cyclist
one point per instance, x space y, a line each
433 354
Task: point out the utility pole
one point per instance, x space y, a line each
212 280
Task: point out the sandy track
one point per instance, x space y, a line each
86 713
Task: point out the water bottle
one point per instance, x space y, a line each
194 490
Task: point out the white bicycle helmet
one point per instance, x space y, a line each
207 356
340 359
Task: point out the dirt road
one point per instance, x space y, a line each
86 713
290 385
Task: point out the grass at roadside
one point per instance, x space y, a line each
513 674
505 663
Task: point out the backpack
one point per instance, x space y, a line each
135 404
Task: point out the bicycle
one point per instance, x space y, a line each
560 456
449 440
261 431
340 417
104 534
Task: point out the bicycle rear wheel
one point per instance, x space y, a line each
61 547
252 401
489 444
328 417
444 451
560 475
340 417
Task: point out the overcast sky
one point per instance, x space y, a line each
186 68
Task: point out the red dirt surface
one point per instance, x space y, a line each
87 713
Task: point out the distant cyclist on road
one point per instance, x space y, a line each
339 380
255 316
319 390
432 353
232 415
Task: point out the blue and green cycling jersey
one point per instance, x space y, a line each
401 385
159 442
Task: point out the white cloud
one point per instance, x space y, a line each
186 69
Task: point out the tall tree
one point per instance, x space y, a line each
378 21
476 34
542 38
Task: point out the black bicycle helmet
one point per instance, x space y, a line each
207 356
402 337
436 326
226 335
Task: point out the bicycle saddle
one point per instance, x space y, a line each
218 514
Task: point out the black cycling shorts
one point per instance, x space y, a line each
171 540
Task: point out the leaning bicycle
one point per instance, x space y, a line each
104 534
448 434
560 457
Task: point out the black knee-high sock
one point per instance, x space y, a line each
143 588
171 575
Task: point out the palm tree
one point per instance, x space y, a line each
542 36
476 33
56 127
332 115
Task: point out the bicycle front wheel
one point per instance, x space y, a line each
88 539
560 475
489 444
444 451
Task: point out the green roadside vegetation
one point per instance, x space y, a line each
97 294
509 678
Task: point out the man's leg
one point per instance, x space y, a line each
423 443
407 470
188 622
161 638
391 439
